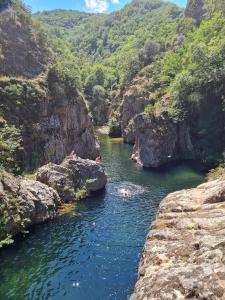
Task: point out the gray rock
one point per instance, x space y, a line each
23 203
158 140
131 107
73 176
184 253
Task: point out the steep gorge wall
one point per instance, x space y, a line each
51 124
38 97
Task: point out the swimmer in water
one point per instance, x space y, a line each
124 192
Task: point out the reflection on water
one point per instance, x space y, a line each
93 251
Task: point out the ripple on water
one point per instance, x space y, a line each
127 189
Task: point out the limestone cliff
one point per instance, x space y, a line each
183 256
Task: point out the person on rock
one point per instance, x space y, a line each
72 155
98 159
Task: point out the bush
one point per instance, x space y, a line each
10 145
150 109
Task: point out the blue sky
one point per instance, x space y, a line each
83 5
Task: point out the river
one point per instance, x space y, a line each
93 251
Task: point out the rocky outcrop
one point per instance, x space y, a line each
131 107
123 112
184 253
158 140
66 126
21 35
53 120
24 202
74 179
203 9
195 9
100 112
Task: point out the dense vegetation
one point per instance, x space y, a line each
112 49
149 49
192 78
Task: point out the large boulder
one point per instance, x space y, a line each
184 253
158 140
74 179
23 203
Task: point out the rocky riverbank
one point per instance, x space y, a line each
25 202
183 256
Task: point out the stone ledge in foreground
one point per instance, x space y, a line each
184 255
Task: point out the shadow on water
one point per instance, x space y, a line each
93 251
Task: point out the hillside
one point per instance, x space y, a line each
43 115
100 35
21 35
113 48
181 94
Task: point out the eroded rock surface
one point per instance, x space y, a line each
131 107
24 202
74 179
158 140
184 255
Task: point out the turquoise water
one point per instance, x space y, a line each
92 253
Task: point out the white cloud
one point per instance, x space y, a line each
99 6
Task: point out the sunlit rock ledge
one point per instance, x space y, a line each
184 254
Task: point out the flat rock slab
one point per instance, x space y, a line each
184 254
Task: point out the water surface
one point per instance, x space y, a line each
92 253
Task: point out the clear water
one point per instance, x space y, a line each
93 252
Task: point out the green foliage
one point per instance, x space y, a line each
81 194
119 44
64 79
149 109
22 35
10 145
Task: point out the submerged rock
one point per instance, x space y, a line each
74 179
184 253
24 202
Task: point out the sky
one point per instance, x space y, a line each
101 6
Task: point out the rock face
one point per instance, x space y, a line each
100 112
195 9
131 107
24 202
66 126
203 9
123 113
21 35
53 120
74 178
184 253
158 140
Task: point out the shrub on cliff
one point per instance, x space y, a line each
10 145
